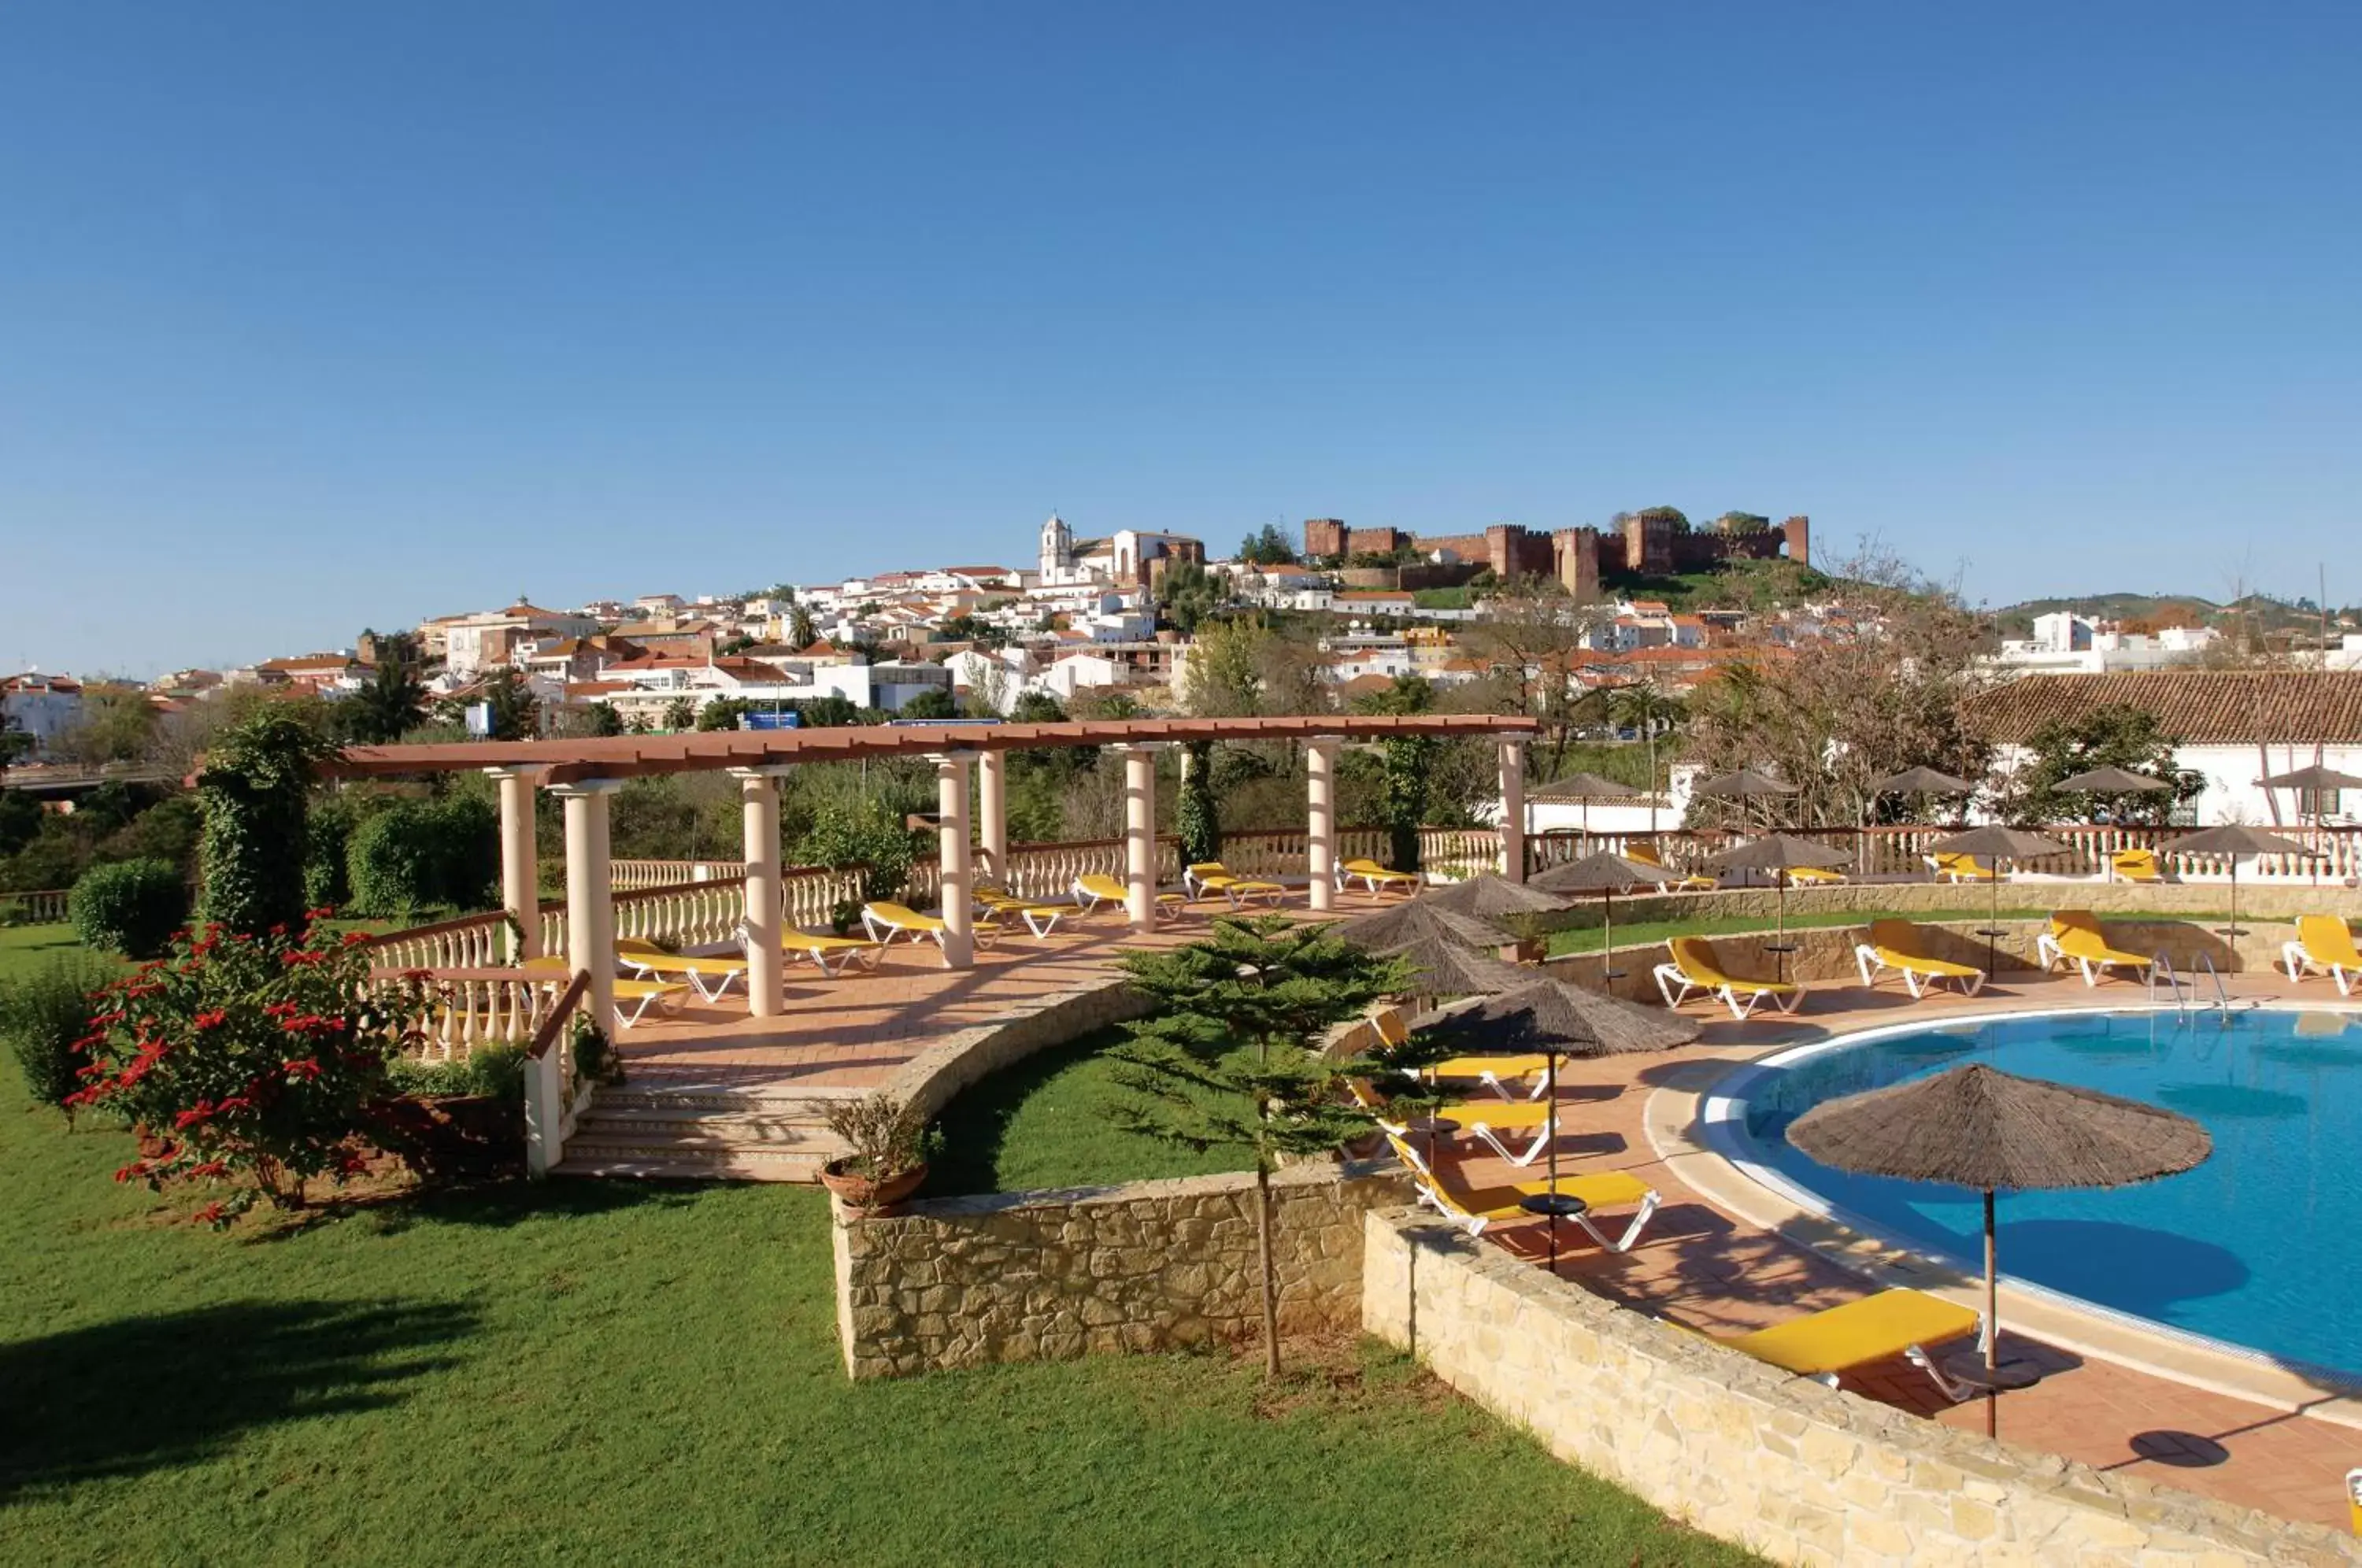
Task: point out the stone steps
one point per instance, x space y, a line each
705 1131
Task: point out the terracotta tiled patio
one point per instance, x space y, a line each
1699 1265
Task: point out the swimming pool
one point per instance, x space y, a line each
2259 1247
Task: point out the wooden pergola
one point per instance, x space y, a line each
584 773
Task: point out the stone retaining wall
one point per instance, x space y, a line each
1794 1471
930 1080
1149 1266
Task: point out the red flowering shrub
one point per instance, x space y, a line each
260 1059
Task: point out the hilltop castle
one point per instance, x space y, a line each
1656 543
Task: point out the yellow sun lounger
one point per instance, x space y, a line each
1950 868
2323 944
1376 878
1838 1339
646 959
1646 854
2137 864
1495 1073
1213 876
1000 903
1812 876
1097 888
1900 946
646 994
1696 966
1474 1209
2077 937
884 921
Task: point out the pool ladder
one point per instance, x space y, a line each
2161 972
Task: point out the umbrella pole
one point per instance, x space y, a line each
1992 1325
1608 941
1550 1130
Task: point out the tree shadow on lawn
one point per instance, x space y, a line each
498 1205
142 1394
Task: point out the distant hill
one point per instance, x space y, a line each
2259 611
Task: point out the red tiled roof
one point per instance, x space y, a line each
2195 707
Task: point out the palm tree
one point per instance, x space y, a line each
392 705
1646 709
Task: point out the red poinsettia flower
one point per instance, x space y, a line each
212 1020
306 1067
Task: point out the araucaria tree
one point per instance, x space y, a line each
257 779
1230 1058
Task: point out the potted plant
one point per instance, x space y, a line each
891 1147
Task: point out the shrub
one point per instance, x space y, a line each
255 793
868 834
43 1018
332 824
242 1057
496 1072
131 907
419 854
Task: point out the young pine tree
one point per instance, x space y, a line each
1230 1058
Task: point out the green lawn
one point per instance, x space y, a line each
1044 1122
26 948
614 1373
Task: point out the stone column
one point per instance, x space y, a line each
758 796
590 895
1139 831
1320 821
992 814
958 880
1513 810
520 860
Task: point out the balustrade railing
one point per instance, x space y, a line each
685 914
452 1010
471 941
46 906
636 875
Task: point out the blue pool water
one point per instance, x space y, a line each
2260 1246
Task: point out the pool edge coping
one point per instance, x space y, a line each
1675 1123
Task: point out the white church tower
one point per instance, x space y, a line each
1058 550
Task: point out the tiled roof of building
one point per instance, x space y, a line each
2196 706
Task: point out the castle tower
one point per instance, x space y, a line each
1057 548
1798 534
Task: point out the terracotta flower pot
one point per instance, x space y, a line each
863 1198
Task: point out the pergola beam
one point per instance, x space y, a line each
628 757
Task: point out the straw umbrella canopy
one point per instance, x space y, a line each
1413 920
1779 853
1588 788
1998 844
2317 778
1603 873
1492 897
1989 1130
1922 781
1742 786
2234 842
1551 1018
1442 968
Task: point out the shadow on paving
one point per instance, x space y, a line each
143 1394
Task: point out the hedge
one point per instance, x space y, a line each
421 854
131 907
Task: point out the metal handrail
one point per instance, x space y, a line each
2161 968
2222 993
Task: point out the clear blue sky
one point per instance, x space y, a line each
317 316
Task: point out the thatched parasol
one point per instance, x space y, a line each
1441 967
1491 896
2111 781
1388 929
1993 1132
1744 784
1551 1018
2322 783
1998 844
1922 781
1780 853
2234 842
1603 873
1586 788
